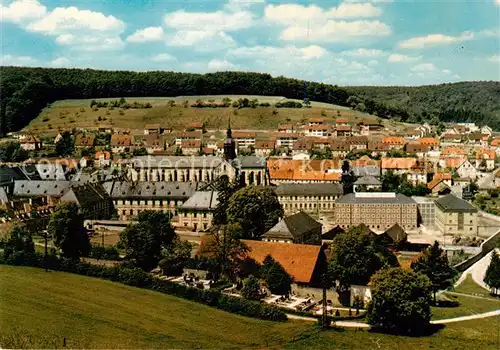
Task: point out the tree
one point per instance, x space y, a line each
12 152
355 257
492 276
66 226
433 263
20 240
225 249
390 181
225 189
145 239
400 301
256 209
277 279
140 152
251 289
66 146
175 257
347 180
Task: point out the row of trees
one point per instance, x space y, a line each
121 103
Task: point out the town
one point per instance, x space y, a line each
271 215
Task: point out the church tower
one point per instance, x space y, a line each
229 144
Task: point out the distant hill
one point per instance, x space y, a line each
26 91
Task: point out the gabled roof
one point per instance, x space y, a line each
399 163
450 203
453 150
121 140
368 180
430 141
396 233
202 200
298 260
332 233
394 140
366 230
293 226
486 154
85 140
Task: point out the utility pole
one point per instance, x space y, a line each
45 253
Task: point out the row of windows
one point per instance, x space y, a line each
195 214
136 212
151 203
307 205
309 197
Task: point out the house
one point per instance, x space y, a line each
321 143
153 142
365 166
304 171
496 145
243 139
297 228
102 159
440 183
286 128
318 130
451 138
191 147
107 128
129 198
476 138
413 134
453 151
367 184
486 130
84 140
417 175
30 143
341 121
416 149
196 213
92 199
355 142
286 140
485 159
462 167
188 136
264 148
378 148
339 148
150 129
431 142
208 151
196 126
393 236
395 142
455 216
120 143
313 198
398 166
371 123
303 262
343 130
317 121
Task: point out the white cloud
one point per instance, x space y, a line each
363 53
206 30
492 32
67 19
163 57
372 63
446 71
373 1
204 40
208 21
21 10
279 53
424 67
220 65
494 59
10 60
336 31
60 62
434 40
497 2
293 13
146 35
237 5
400 58
90 42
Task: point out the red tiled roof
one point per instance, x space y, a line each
243 134
341 120
431 141
393 140
191 144
260 144
486 154
121 140
298 260
399 163
453 150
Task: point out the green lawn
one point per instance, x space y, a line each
38 309
469 305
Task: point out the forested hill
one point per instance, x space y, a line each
26 91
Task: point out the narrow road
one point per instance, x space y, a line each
467 318
472 296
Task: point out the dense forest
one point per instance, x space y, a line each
26 91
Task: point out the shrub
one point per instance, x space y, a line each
106 253
46 119
251 289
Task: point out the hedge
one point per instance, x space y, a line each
138 278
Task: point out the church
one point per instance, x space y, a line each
247 170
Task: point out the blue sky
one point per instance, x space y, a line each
348 42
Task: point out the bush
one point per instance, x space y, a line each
105 253
251 289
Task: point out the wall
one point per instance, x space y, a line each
315 293
486 247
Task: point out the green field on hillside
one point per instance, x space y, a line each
38 309
68 114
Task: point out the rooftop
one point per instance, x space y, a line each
202 200
374 198
314 189
293 226
451 203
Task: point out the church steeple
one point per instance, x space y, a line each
229 144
